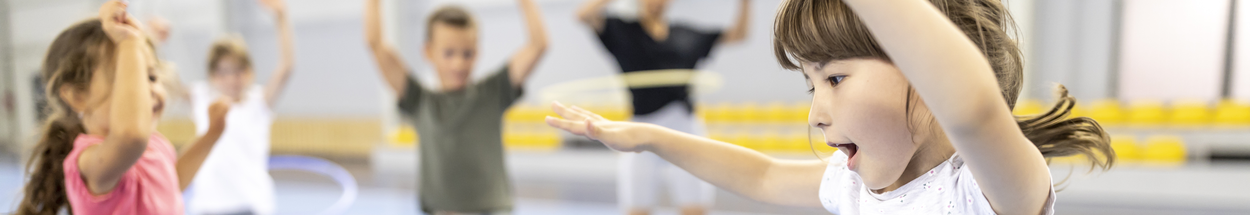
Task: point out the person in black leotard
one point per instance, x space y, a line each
649 44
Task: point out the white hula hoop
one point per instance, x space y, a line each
613 90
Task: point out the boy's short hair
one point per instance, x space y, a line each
450 15
228 46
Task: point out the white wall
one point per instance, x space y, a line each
1074 45
34 24
335 76
1241 52
1173 49
8 125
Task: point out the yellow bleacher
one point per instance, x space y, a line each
1146 113
1190 113
1107 112
1164 150
1232 113
1126 148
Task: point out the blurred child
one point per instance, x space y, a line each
100 153
235 179
461 151
651 44
917 96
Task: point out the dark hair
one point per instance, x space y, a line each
450 15
71 62
824 30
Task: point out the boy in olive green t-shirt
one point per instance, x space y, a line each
461 150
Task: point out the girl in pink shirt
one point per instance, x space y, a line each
100 153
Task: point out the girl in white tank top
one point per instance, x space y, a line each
235 177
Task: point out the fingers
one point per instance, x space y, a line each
575 127
567 113
589 114
574 112
275 5
111 11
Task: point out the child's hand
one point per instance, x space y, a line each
119 25
620 136
275 6
217 114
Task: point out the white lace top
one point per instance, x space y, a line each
948 188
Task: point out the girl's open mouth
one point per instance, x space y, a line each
850 149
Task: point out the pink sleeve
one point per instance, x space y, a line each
76 187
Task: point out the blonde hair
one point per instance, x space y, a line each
228 46
824 30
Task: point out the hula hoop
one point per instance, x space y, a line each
314 165
323 167
616 86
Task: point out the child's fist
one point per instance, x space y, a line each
217 113
117 24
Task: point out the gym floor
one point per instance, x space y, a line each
549 183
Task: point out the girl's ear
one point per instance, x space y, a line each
71 97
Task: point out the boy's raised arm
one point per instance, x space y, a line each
392 67
523 62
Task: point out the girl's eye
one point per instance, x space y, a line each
811 89
449 53
835 80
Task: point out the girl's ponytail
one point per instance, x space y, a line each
45 193
1056 135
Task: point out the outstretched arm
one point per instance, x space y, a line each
591 13
523 62
738 32
730 167
278 81
959 87
394 71
192 158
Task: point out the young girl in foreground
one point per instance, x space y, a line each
917 95
99 153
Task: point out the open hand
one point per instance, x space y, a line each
119 25
620 136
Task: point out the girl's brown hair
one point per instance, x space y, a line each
71 62
825 30
228 46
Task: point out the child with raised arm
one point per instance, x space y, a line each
100 153
917 97
462 159
235 179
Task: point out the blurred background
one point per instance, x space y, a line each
1170 80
